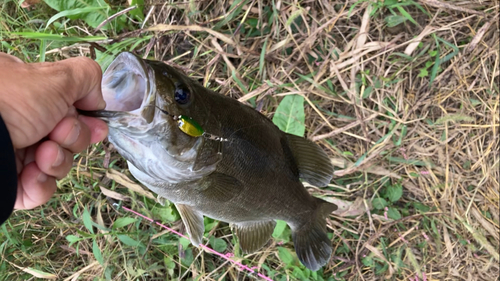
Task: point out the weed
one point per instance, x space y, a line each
403 96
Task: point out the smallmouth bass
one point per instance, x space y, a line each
213 156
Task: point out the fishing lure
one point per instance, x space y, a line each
191 128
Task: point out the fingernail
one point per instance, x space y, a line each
59 158
73 135
42 177
102 104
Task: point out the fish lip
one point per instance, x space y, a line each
117 73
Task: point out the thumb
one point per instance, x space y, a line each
86 79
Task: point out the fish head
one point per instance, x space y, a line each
144 100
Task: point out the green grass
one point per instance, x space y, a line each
412 133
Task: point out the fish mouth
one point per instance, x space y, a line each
128 88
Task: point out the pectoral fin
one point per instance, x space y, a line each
313 163
253 235
193 220
218 187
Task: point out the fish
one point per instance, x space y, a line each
213 156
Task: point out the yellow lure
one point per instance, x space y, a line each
189 126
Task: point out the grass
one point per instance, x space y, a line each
402 95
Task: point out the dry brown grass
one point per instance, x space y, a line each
439 140
452 123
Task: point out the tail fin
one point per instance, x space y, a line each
312 245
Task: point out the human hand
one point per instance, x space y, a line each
37 104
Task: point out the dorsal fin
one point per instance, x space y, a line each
314 165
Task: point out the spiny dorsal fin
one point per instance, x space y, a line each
313 163
253 235
193 220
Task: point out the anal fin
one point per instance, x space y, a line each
253 235
193 220
314 165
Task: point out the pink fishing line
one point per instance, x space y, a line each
201 245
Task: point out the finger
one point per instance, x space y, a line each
71 134
72 112
34 187
6 58
53 160
98 128
29 154
86 83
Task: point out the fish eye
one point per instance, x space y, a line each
181 95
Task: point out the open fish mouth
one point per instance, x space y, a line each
129 91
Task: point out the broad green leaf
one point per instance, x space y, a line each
394 192
73 239
421 207
165 213
285 255
127 240
91 18
184 242
299 274
379 203
188 258
139 11
169 263
280 227
290 116
366 93
393 214
121 222
394 20
97 252
68 13
474 102
367 261
218 244
87 220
